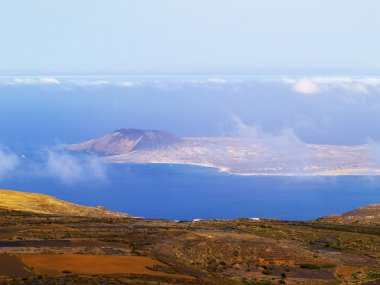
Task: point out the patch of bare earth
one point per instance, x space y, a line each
56 264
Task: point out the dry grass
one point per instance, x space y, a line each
345 270
44 204
367 214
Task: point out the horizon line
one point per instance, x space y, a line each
189 75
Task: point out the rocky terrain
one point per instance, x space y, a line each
128 140
44 247
243 156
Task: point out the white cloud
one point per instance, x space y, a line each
8 162
66 167
33 81
284 140
127 84
314 85
284 143
71 169
86 82
236 84
372 81
214 81
306 86
217 81
49 80
17 81
102 82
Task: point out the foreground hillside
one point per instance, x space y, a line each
367 214
44 204
40 248
238 155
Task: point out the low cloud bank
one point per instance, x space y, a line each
33 81
98 82
315 85
304 85
66 82
87 82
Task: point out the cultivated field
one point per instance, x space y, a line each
56 264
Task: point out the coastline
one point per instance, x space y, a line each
225 170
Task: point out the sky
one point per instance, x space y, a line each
113 37
44 111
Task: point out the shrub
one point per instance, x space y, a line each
316 266
255 282
374 275
266 272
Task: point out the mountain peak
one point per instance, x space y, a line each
127 140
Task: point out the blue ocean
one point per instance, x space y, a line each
37 118
182 192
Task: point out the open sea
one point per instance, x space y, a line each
182 192
35 118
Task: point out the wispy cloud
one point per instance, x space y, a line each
285 144
284 140
71 169
314 85
49 80
33 81
305 86
128 84
217 81
371 81
8 162
309 85
66 167
102 83
88 82
214 83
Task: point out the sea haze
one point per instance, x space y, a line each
39 115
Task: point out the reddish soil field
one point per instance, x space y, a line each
56 264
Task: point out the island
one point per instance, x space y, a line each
234 155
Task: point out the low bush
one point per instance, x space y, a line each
316 266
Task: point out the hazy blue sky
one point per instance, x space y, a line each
194 36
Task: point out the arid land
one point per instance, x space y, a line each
62 247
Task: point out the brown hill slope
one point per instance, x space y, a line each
366 214
44 204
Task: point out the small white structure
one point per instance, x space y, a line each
255 219
196 220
